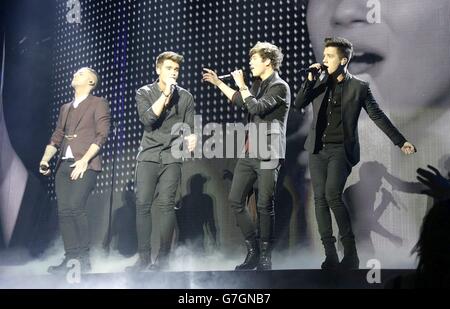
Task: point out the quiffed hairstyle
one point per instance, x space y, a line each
268 51
344 46
168 55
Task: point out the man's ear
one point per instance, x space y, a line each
91 83
344 61
267 62
158 70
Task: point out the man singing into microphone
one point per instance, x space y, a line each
266 105
81 130
337 98
161 106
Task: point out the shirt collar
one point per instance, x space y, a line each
269 79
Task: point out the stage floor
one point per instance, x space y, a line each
276 279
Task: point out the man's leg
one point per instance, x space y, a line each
267 182
243 179
338 171
168 182
145 184
67 225
80 190
318 165
72 198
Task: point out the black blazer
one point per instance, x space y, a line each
268 107
356 94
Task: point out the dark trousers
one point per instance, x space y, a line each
246 172
149 176
329 172
72 196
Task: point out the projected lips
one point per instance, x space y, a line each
364 62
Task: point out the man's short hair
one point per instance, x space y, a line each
169 55
97 84
344 46
268 51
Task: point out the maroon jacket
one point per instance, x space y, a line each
90 125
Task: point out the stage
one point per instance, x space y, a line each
276 279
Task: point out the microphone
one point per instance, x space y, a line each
314 70
45 168
226 76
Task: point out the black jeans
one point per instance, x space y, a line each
72 196
329 172
167 177
246 172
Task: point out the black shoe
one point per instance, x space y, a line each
349 262
85 264
159 266
141 264
331 262
265 254
161 261
252 258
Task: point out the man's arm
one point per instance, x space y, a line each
381 120
211 77
49 152
305 95
148 111
58 134
52 148
306 92
276 95
191 139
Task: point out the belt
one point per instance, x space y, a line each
70 137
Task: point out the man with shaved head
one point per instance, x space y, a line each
82 129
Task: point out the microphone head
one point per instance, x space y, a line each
226 76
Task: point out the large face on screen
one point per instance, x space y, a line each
406 54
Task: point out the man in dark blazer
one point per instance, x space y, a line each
337 98
82 129
266 105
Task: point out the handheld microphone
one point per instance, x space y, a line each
314 70
226 76
44 168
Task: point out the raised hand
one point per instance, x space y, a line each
439 187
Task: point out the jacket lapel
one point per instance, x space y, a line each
345 93
81 109
65 113
323 89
